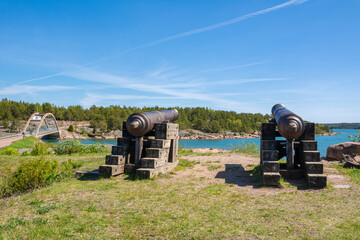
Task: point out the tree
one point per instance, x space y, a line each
71 128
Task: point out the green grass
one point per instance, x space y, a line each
214 167
353 173
183 208
28 142
189 152
184 164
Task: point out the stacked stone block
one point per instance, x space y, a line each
307 158
158 155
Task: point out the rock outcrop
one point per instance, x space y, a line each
335 152
349 162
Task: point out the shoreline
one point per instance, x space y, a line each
192 137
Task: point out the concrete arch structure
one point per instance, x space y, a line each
42 125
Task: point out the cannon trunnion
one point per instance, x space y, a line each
148 146
287 136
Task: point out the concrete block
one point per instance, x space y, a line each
152 162
308 145
162 153
130 168
271 179
311 156
268 131
111 170
123 141
314 168
117 159
119 150
309 132
316 180
145 172
270 155
270 166
166 131
159 143
268 144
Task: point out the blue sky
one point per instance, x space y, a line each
243 56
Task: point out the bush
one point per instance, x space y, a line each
71 128
9 151
96 148
75 146
39 149
69 147
35 174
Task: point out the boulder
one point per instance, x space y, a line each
349 162
335 152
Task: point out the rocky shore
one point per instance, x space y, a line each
183 134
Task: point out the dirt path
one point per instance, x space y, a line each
7 141
236 169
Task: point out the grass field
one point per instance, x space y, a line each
28 142
175 207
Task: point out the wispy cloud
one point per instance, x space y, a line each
232 67
29 89
184 34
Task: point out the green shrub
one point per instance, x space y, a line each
9 151
71 128
39 149
25 153
356 137
96 148
75 146
246 147
36 173
69 147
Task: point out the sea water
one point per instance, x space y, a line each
323 141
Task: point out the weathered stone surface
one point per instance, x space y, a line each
335 152
111 170
316 180
309 132
349 162
309 145
152 162
117 159
271 166
311 156
268 144
268 131
314 167
271 179
157 153
270 155
166 131
159 143
119 150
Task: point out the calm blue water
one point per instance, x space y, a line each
323 141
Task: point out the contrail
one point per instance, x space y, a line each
232 21
185 34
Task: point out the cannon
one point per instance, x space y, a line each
148 145
138 124
288 136
290 125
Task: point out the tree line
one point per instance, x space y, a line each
112 117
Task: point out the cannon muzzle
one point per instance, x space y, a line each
290 125
138 124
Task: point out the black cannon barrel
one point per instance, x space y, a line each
290 125
138 124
